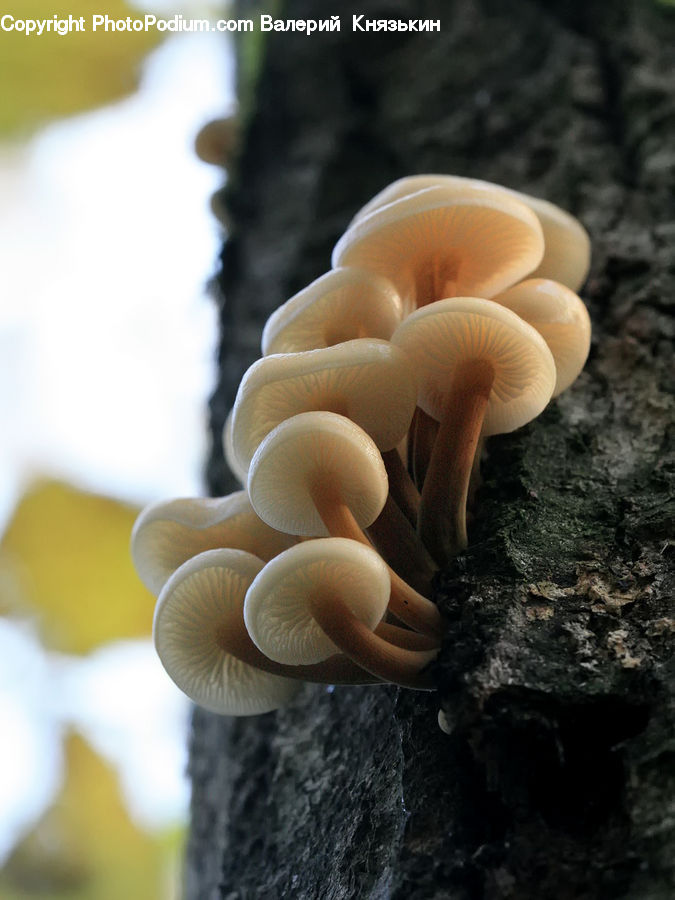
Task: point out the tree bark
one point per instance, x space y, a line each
556 678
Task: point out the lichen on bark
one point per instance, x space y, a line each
556 676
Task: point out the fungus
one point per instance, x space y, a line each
366 379
369 381
201 639
324 595
567 250
482 370
437 243
216 142
194 636
318 473
560 317
239 472
168 533
339 306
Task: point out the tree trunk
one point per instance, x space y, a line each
556 681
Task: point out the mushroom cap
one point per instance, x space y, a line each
440 242
216 141
560 317
193 608
567 250
368 380
340 305
310 449
239 472
168 533
277 612
442 336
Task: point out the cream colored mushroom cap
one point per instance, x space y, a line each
168 533
442 336
341 305
239 472
194 605
560 317
567 250
439 242
411 184
310 449
368 380
276 610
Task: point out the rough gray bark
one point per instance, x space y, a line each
558 779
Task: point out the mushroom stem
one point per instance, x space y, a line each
424 431
398 544
369 650
401 486
233 638
442 519
405 603
403 637
475 480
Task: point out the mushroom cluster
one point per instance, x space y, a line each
450 314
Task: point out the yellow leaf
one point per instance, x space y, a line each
85 847
51 75
65 554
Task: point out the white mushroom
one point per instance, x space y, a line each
324 595
339 306
318 473
560 317
168 533
482 370
437 243
567 250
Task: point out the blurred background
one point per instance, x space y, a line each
107 342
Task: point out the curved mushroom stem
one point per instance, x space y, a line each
442 520
401 486
233 638
376 655
405 603
423 432
398 544
403 637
